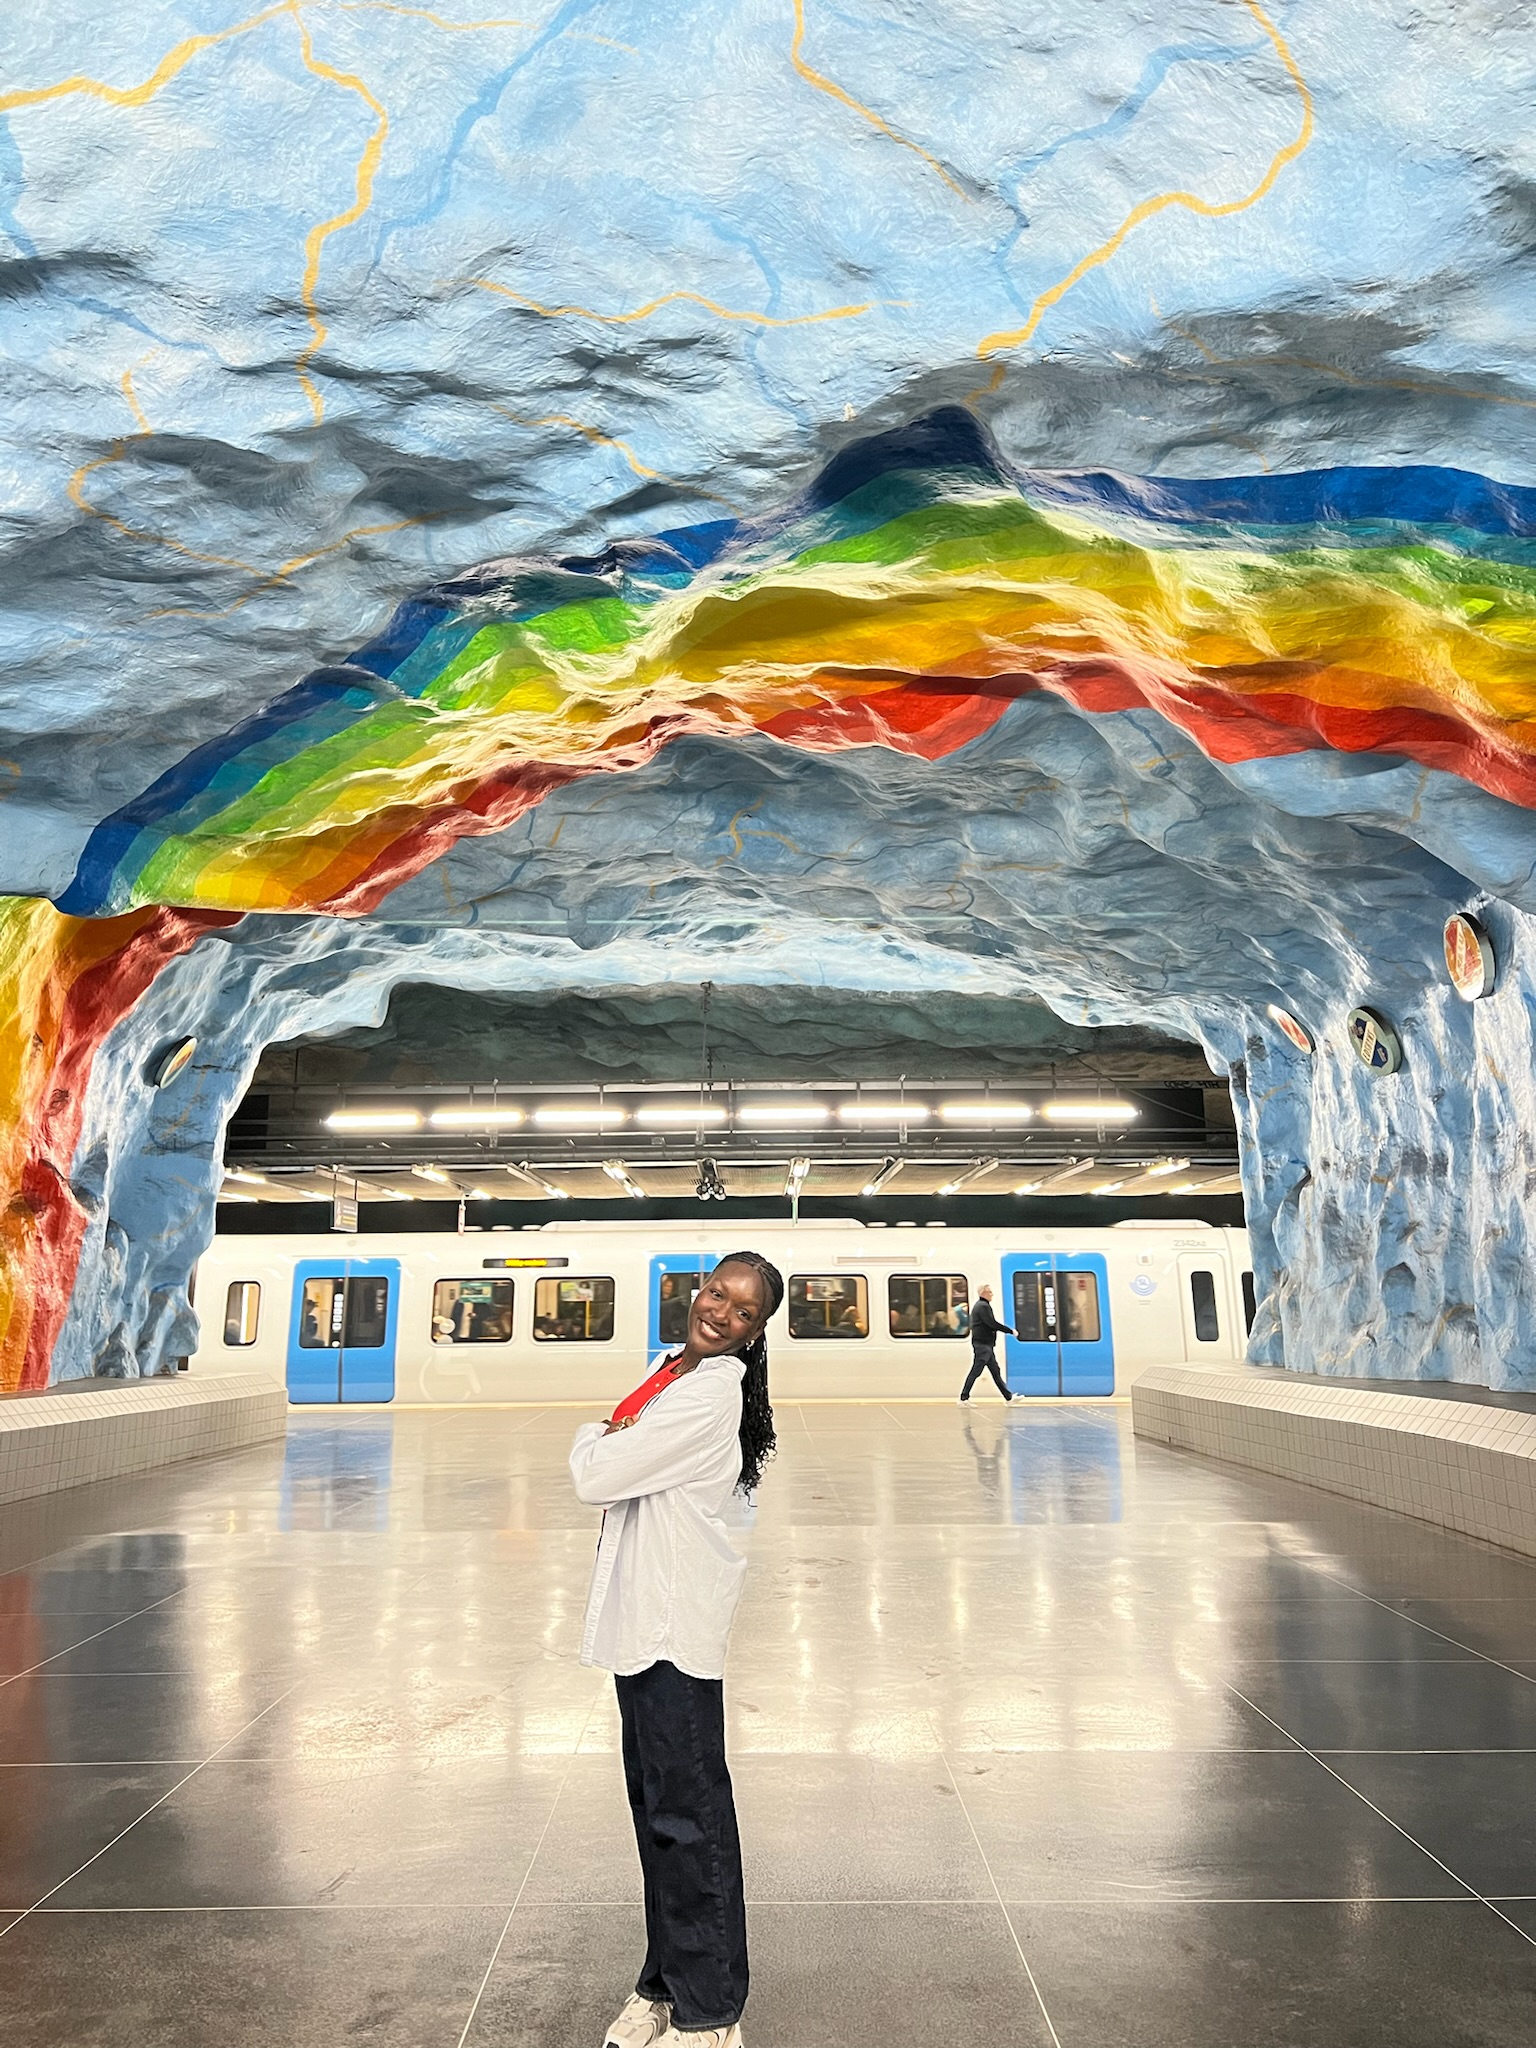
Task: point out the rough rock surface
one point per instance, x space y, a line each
313 307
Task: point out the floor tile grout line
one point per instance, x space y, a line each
549 1821
1069 1901
1441 1636
32 1669
1397 1826
42 1665
1013 1932
169 1793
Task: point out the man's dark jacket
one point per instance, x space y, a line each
984 1327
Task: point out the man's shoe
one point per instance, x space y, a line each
712 2037
642 2023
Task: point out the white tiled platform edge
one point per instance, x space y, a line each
71 1439
1457 1464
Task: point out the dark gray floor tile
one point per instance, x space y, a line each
813 1827
370 1714
52 1820
87 1589
1193 1825
863 1976
562 1974
1435 1975
1473 1812
297 1833
29 1639
821 1974
1503 1629
392 1978
132 1718
1407 1706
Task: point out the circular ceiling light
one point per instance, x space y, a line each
173 1060
1469 958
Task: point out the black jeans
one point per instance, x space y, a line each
690 1853
984 1361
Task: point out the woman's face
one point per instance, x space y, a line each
728 1311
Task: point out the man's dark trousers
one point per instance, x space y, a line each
984 1359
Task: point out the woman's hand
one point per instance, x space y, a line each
614 1427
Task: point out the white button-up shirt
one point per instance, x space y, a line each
667 1576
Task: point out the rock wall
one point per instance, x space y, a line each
964 508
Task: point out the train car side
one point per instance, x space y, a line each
575 1312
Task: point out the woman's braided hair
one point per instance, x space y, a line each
758 1441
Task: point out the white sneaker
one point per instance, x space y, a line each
712 2037
643 2022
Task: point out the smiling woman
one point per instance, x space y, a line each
664 1591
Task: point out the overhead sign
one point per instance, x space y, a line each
1298 1034
343 1212
1469 958
504 1264
1374 1040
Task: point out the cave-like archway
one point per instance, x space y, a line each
1154 752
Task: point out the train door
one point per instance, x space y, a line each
341 1340
676 1278
1202 1291
1058 1304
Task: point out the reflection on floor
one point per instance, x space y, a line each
1039 1735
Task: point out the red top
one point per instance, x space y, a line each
631 1405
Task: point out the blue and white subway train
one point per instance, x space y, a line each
576 1311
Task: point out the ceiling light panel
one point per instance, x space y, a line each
578 1116
884 1112
1110 1110
986 1112
676 1116
467 1117
374 1120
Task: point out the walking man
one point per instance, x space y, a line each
984 1329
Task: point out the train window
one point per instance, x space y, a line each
242 1311
828 1305
674 1298
573 1311
1202 1295
1079 1310
1056 1308
472 1312
1250 1302
320 1314
336 1312
367 1316
930 1305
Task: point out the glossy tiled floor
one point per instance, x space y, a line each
1039 1735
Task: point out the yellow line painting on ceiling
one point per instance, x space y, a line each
834 91
651 306
1190 202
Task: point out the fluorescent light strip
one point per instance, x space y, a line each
787 1116
574 1116
680 1117
252 1180
1111 1110
374 1120
884 1112
986 1112
471 1119
1162 1166
433 1173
